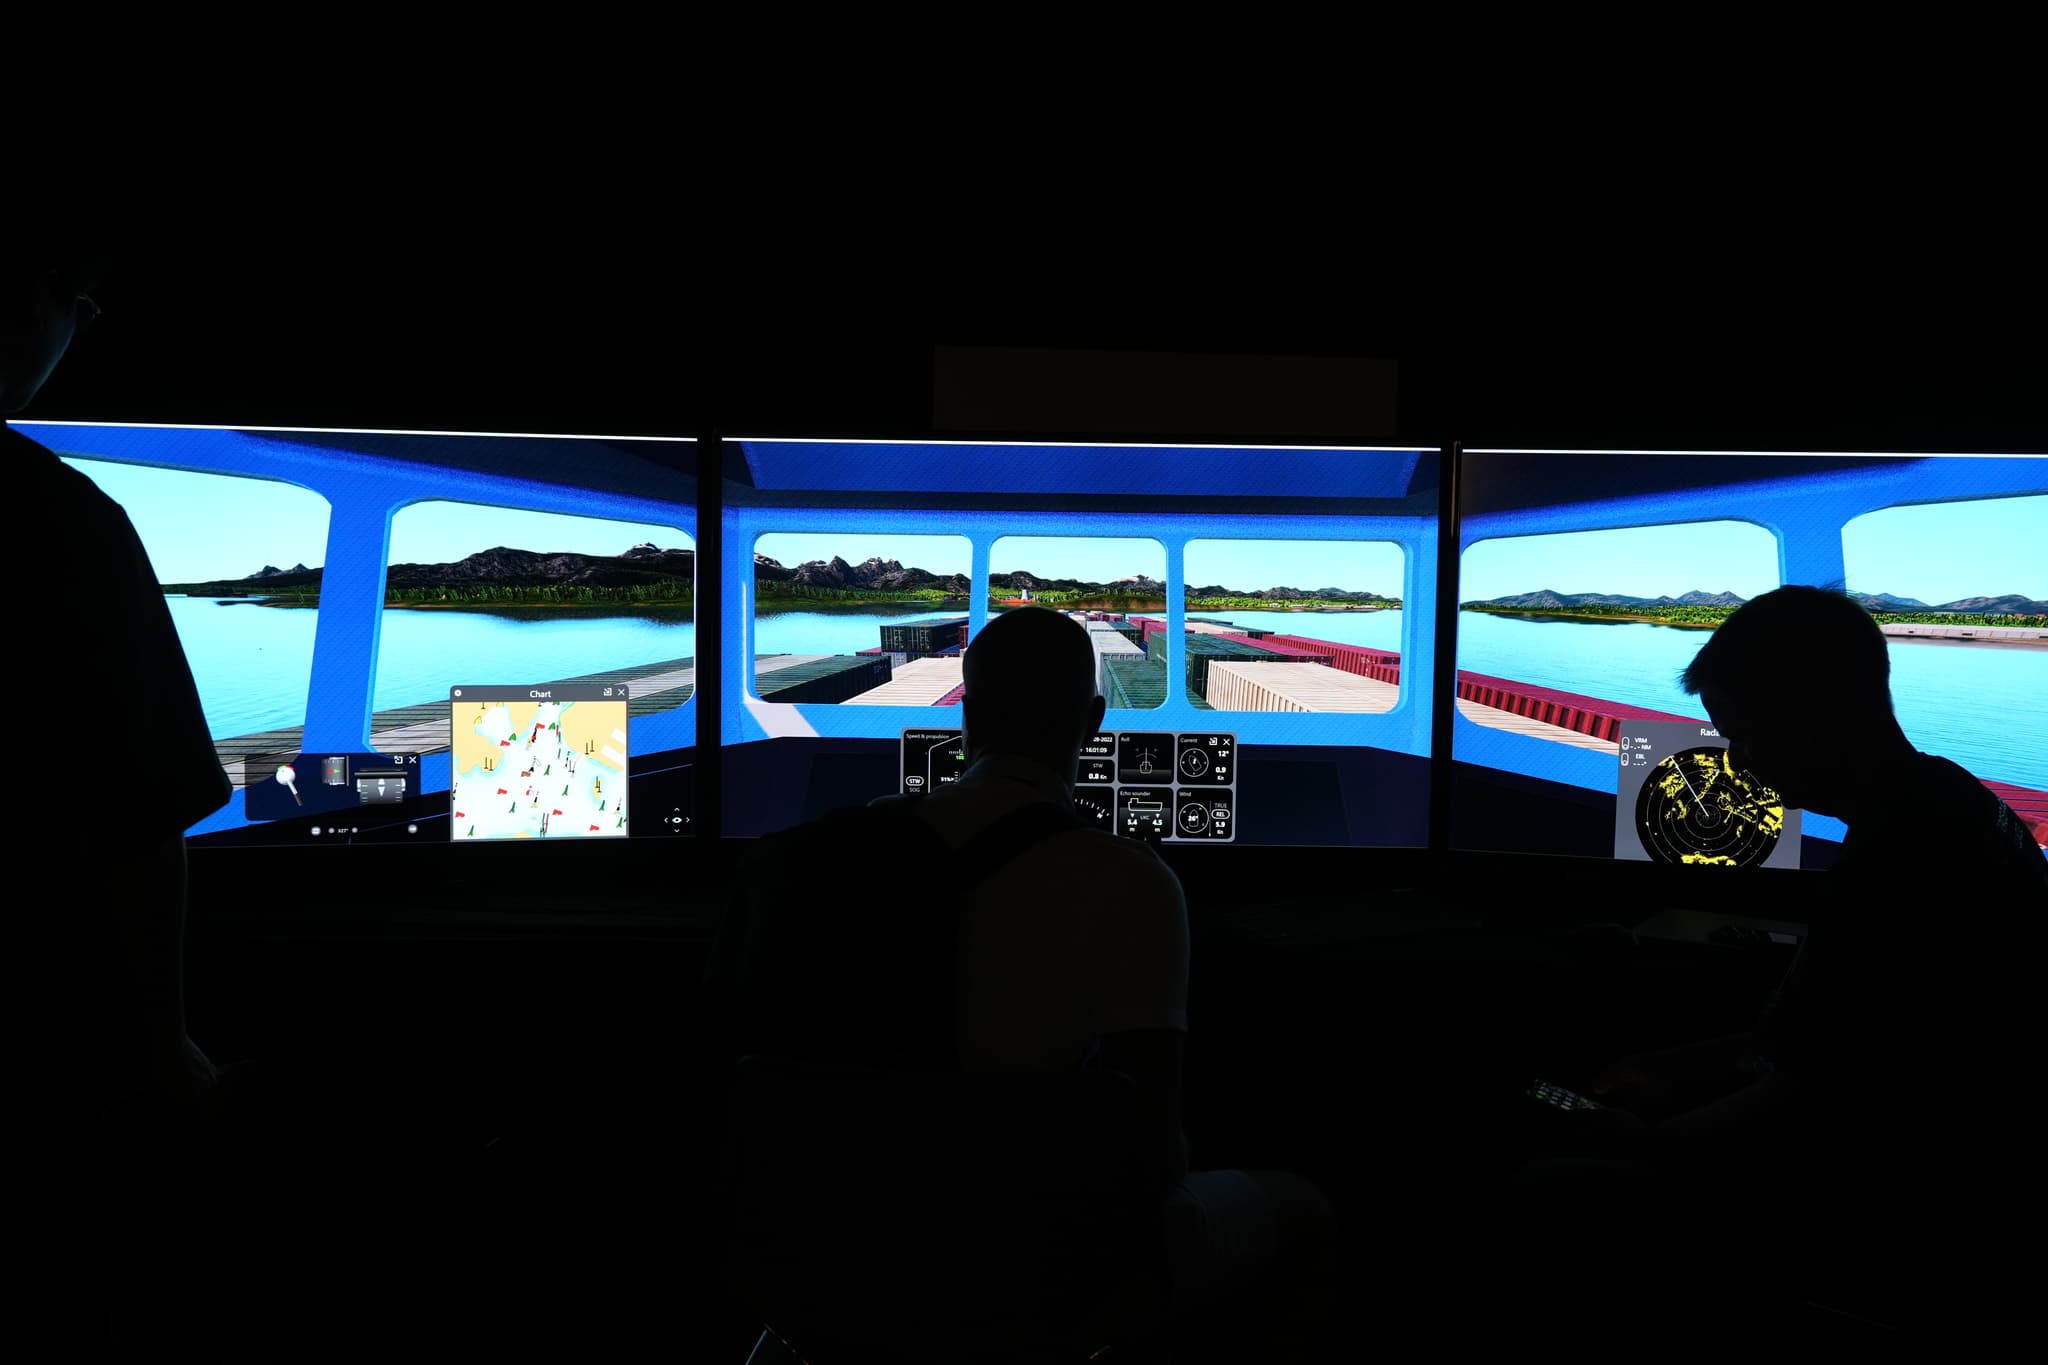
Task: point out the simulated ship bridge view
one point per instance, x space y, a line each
1227 667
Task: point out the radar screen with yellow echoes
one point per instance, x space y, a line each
1681 800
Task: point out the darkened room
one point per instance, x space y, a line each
1397 403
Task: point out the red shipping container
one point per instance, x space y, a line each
1286 649
1567 710
1381 665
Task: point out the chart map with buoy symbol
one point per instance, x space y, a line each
547 761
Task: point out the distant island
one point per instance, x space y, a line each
1704 611
884 582
1215 597
644 577
1139 592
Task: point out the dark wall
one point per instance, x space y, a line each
1563 225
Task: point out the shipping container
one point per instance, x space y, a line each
830 678
1195 627
1285 649
1202 649
1382 665
917 638
1109 644
1566 710
1245 685
1134 683
770 663
921 682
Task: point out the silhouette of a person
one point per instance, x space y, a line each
1889 1095
110 1065
1052 978
1908 966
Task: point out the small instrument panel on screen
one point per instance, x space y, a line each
1141 784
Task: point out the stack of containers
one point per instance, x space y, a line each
1201 649
830 679
1381 665
1109 644
918 639
1134 683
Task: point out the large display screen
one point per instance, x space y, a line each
417 637
1263 622
1587 580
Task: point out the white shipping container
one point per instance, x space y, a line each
1109 645
920 682
1235 685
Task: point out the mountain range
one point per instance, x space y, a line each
874 574
1548 599
643 565
1290 594
1137 585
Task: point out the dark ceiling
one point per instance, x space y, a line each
1664 222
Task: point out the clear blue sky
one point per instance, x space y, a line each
1634 561
205 526
940 555
1253 565
1943 552
1090 559
1936 552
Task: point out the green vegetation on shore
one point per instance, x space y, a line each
1691 618
546 595
1288 604
1955 618
1706 618
1077 600
539 595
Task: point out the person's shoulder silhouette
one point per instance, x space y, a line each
109 941
1923 937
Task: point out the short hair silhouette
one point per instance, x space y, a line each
1799 643
1029 680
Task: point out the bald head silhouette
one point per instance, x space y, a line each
1030 688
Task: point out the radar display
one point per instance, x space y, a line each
1680 800
1695 806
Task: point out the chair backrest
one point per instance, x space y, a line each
939 1208
844 932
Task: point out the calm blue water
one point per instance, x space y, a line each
254 664
836 632
1980 705
420 653
1373 629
